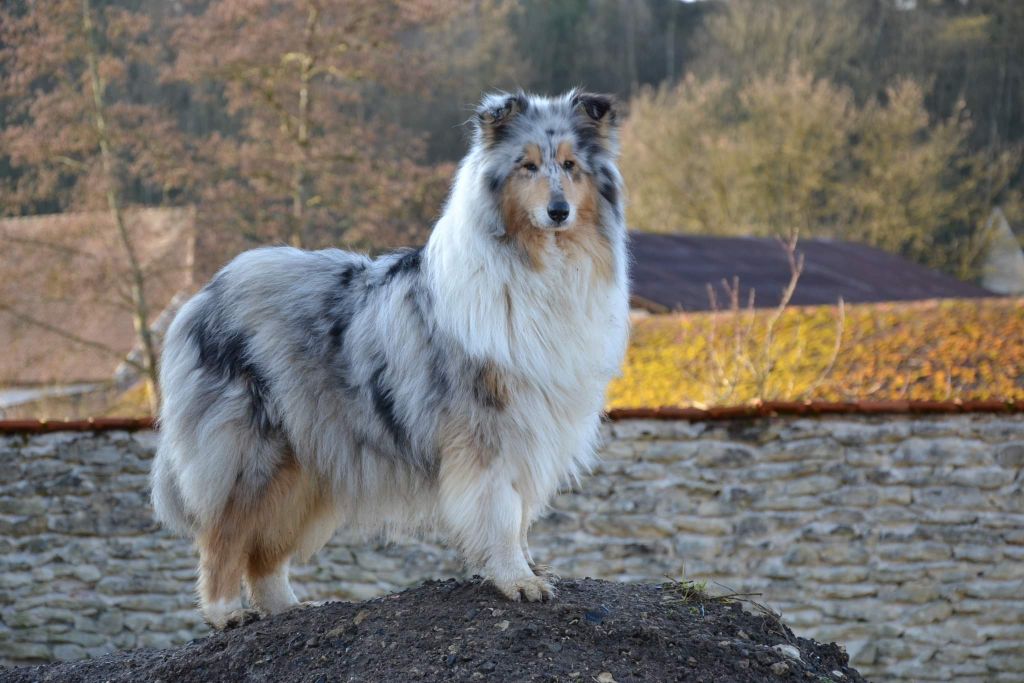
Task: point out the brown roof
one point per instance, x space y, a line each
671 272
67 271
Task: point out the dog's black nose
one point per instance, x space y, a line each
558 211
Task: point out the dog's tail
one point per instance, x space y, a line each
166 495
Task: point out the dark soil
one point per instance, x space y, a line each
464 631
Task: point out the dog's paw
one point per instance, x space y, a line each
528 589
543 570
241 617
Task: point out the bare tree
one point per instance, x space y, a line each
745 363
302 162
77 137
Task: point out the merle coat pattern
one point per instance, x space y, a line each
451 388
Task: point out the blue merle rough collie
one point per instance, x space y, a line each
452 388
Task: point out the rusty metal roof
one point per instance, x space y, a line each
671 272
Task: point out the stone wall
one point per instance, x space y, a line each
900 537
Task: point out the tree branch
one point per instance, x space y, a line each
70 336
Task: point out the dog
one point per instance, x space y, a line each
450 389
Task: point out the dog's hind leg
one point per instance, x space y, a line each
221 561
291 512
270 591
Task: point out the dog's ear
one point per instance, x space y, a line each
600 109
596 120
496 112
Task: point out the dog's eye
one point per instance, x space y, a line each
530 166
569 164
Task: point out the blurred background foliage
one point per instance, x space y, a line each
931 351
891 122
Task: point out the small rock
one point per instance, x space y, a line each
502 625
742 634
743 663
787 650
360 617
605 677
838 674
487 667
780 668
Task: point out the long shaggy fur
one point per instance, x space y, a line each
451 388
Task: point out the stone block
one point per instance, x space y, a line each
847 591
700 525
844 553
859 433
950 497
981 477
768 472
68 652
25 651
930 614
633 526
853 496
993 590
943 452
982 554
742 496
923 551
1011 455
833 575
823 448
724 455
1013 500
781 503
812 485
916 593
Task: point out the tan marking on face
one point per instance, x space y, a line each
523 192
565 153
584 240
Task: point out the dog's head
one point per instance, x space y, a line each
548 161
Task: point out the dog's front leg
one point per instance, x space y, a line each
484 514
524 543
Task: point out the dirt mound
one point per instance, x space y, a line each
464 631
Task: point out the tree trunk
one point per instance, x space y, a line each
629 28
300 172
670 45
140 312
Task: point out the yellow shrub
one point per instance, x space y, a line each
945 350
